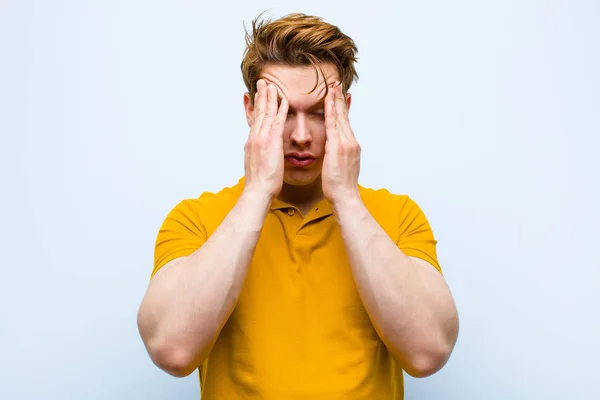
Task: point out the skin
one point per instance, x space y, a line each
190 299
304 127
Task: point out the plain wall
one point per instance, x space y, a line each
487 113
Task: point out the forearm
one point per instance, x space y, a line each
413 313
188 303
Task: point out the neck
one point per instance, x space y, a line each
304 197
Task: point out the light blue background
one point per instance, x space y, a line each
486 112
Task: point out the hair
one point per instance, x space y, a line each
298 40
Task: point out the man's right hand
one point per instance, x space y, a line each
181 315
264 161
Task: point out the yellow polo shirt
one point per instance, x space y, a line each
299 329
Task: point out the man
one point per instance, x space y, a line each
297 282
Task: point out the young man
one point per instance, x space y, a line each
297 282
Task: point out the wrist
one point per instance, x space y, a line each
347 205
255 199
250 211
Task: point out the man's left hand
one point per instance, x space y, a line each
341 164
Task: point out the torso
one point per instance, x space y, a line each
299 329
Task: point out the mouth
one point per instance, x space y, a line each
299 161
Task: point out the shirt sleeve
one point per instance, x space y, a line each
415 237
181 233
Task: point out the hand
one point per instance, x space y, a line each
341 164
263 158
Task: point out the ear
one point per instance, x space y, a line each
249 109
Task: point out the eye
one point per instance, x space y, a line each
318 114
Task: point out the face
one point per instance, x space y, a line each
304 135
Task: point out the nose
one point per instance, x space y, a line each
300 135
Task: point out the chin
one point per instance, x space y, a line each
300 179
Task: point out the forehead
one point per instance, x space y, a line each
296 82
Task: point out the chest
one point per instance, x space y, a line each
299 317
300 275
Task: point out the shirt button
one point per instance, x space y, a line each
290 211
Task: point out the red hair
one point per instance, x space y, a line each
297 40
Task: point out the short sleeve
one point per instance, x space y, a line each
181 234
415 237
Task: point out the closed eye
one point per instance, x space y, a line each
317 113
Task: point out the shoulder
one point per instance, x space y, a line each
210 207
222 200
390 210
383 202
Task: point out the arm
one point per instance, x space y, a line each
406 298
189 299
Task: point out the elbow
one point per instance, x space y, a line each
424 365
173 359
167 354
434 352
429 360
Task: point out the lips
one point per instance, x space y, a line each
299 160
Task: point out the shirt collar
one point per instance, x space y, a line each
321 209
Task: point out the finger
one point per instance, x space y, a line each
340 102
279 122
270 111
341 112
330 116
280 95
260 102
